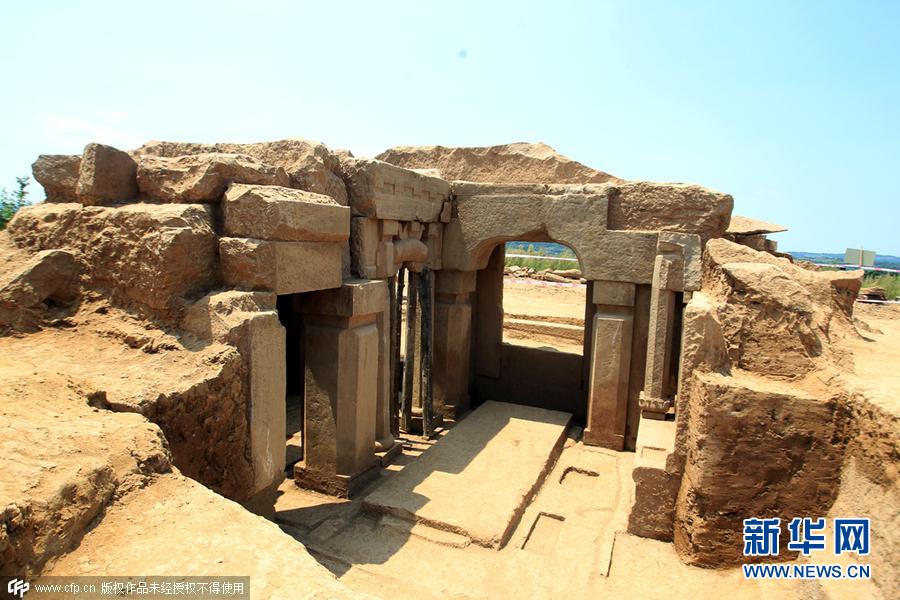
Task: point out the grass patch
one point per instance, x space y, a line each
537 263
890 283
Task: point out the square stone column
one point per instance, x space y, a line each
342 357
610 367
384 439
667 277
452 341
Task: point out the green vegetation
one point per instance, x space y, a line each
542 253
890 283
10 202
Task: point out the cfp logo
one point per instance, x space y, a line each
17 587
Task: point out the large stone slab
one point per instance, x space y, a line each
270 212
144 256
202 177
509 163
385 191
281 267
478 479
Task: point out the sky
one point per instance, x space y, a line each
791 107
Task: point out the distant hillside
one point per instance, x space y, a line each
539 249
885 261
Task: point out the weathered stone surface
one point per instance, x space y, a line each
310 165
378 189
465 464
24 288
647 206
777 317
655 487
758 344
485 221
341 391
364 241
106 175
746 226
281 267
738 425
352 298
145 256
452 345
690 247
58 173
202 177
508 163
285 214
248 321
608 385
613 293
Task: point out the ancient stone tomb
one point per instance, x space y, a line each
299 259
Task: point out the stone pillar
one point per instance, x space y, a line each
384 439
668 274
611 332
342 358
489 316
452 341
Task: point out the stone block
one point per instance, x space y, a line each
266 350
685 208
434 237
310 165
340 406
452 282
202 177
353 298
613 293
149 257
106 175
389 228
668 272
378 189
737 425
58 174
452 342
691 252
608 387
385 264
364 240
281 267
283 214
24 288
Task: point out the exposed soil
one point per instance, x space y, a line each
541 314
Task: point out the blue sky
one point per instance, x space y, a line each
792 107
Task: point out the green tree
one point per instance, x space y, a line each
10 202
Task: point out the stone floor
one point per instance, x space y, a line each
569 541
